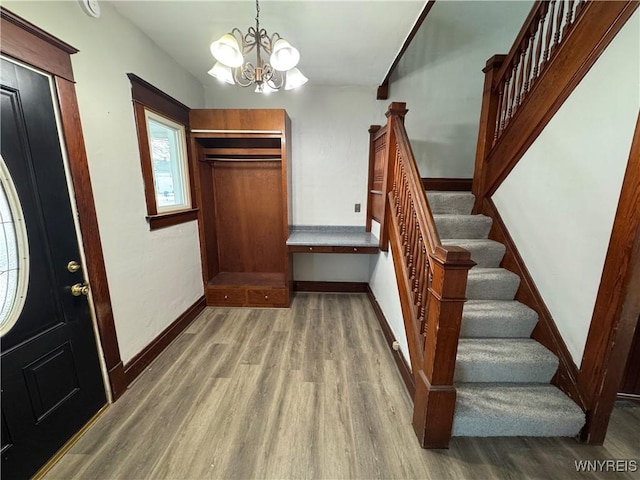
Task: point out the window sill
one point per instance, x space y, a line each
163 220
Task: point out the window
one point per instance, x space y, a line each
14 253
162 124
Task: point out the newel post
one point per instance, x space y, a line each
395 113
487 129
435 397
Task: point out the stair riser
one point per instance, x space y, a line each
481 288
451 203
473 327
463 226
505 372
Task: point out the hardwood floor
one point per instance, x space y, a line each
306 392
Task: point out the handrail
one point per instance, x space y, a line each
431 282
556 47
545 28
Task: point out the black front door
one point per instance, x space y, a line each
51 378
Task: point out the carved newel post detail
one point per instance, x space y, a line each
491 104
435 398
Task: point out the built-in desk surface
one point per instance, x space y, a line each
331 239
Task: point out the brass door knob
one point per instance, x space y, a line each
80 289
73 266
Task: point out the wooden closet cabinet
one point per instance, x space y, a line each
243 188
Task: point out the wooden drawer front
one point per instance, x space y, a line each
355 249
310 249
266 297
227 296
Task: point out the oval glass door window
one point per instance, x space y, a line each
14 253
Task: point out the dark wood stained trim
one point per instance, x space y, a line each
24 41
594 30
174 218
401 363
143 359
383 90
330 287
27 43
155 99
146 96
447 184
96 271
629 398
617 306
546 332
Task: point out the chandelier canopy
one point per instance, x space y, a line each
231 49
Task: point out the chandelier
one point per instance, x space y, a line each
231 49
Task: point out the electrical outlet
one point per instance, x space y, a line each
357 209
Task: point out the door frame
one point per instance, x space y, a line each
27 43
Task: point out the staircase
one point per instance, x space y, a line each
502 376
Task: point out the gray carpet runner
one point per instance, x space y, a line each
502 375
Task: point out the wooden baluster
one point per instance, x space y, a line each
419 275
512 95
507 105
527 76
496 133
424 290
520 79
560 17
414 257
540 36
547 51
410 234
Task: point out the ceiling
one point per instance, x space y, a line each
340 42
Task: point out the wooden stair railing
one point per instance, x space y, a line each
557 45
431 280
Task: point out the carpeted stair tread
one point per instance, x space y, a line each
534 410
459 203
497 318
521 360
485 252
491 284
462 226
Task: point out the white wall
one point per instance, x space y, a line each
383 284
153 276
560 201
440 77
330 157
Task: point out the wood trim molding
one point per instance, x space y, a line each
154 98
401 363
24 41
546 332
617 306
447 184
96 270
383 90
29 44
142 360
168 219
147 97
594 30
330 287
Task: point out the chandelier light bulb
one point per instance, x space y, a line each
284 57
294 79
230 49
222 73
227 51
